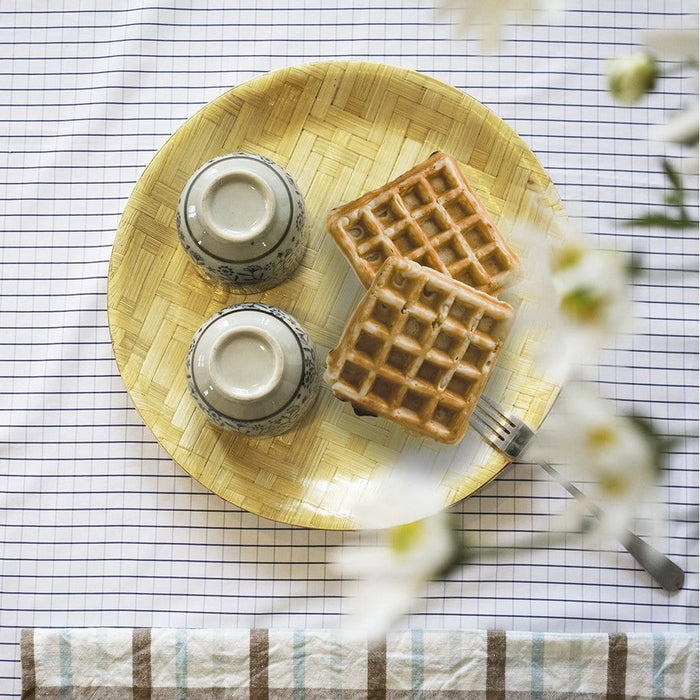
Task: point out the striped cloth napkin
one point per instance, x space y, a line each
166 664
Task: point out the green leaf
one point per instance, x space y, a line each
673 176
660 444
662 220
635 265
675 199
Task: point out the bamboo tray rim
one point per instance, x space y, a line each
156 300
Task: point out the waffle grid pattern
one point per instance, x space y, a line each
429 215
419 349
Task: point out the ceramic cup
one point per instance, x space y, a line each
252 369
241 219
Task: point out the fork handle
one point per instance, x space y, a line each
665 572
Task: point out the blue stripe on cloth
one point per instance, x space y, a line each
298 666
537 679
66 661
659 659
181 663
417 664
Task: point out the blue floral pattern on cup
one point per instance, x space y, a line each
295 409
266 271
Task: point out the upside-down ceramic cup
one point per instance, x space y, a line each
252 369
242 220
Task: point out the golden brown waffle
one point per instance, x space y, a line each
431 215
418 350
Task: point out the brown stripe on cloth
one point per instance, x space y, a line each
376 671
259 660
28 668
141 663
617 666
495 665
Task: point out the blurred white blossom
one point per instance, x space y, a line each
632 77
577 297
676 44
680 45
592 289
395 569
617 456
488 19
682 127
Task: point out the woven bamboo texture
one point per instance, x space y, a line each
340 128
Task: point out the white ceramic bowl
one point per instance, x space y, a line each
242 220
252 369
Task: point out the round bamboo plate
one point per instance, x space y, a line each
340 129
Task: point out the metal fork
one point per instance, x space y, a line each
510 435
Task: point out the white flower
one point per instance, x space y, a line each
679 45
682 127
631 77
575 304
392 573
613 454
490 18
394 569
591 286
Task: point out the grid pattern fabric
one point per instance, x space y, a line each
100 527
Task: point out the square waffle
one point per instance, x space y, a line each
418 350
431 215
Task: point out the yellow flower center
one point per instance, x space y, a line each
566 257
404 537
583 304
614 484
601 437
